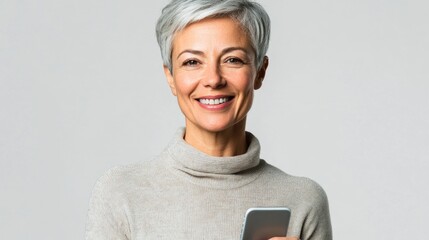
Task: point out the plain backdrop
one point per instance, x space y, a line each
345 102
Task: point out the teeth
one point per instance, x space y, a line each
213 101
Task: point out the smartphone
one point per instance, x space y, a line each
262 223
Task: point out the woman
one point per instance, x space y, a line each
209 175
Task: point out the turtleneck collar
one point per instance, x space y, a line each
216 172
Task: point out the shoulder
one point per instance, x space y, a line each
109 207
120 179
307 200
303 188
124 172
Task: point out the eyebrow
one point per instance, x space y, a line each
196 52
226 50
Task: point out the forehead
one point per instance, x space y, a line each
211 33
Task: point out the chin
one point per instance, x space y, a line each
220 127
215 128
214 125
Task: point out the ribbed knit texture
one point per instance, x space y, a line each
186 194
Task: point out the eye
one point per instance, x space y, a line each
190 63
234 60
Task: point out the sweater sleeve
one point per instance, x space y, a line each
107 214
317 225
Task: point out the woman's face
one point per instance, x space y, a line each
214 74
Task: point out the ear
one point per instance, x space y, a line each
170 79
261 73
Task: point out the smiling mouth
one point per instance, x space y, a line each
214 101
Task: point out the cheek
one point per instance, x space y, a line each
243 81
185 83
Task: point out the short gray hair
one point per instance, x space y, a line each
180 13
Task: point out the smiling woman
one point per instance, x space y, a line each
201 186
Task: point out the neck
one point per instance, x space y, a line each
226 143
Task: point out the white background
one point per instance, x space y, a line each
345 102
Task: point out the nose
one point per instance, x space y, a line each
213 77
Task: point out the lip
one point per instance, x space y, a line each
219 106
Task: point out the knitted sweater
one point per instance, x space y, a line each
186 194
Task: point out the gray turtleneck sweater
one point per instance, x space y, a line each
186 194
